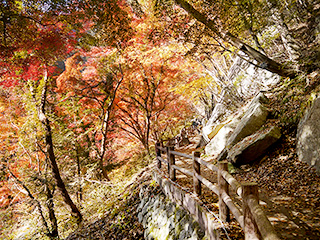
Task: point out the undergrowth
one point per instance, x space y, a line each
99 199
290 101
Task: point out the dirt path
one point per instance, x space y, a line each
289 191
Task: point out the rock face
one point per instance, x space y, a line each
164 220
252 120
208 221
211 128
211 131
253 146
219 141
308 137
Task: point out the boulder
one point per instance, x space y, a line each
253 119
254 146
211 128
308 137
219 141
211 131
260 98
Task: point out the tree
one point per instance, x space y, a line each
262 60
41 109
36 34
94 85
30 61
150 73
142 101
20 163
84 21
53 232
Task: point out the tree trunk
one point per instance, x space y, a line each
289 43
148 125
79 193
50 151
55 170
263 60
104 130
105 126
52 216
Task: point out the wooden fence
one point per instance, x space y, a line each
251 217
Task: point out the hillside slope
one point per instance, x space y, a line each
121 220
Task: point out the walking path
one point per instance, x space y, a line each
293 214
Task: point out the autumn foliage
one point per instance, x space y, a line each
85 87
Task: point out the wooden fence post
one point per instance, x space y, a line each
171 161
168 157
251 230
224 211
196 169
158 154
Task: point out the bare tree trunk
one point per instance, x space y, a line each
79 193
263 60
50 151
147 134
104 130
105 126
55 170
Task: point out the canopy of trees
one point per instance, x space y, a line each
82 81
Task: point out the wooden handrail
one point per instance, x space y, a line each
171 162
209 184
208 165
162 160
265 228
252 218
197 172
183 170
162 149
223 186
181 154
233 208
227 176
232 182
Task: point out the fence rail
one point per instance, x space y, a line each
250 216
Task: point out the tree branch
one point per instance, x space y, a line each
262 59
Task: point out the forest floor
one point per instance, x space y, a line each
121 220
290 189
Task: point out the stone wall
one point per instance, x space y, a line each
206 220
164 220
